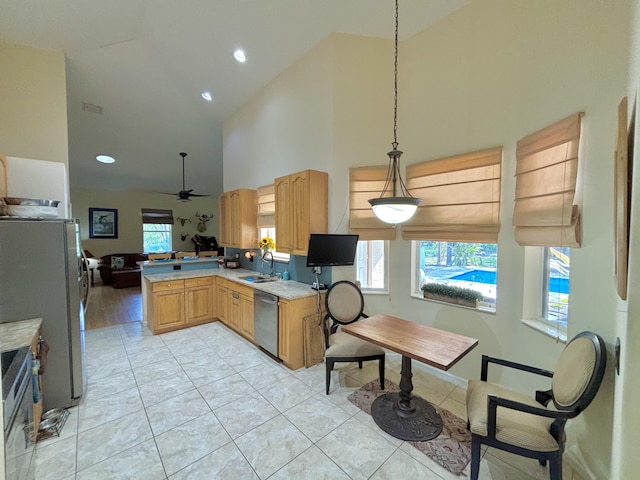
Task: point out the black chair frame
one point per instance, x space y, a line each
561 415
335 323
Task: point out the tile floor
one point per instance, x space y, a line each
203 403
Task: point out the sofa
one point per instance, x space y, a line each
121 270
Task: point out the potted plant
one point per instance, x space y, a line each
451 294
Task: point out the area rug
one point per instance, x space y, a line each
451 449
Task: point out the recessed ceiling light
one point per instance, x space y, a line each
239 56
207 95
105 159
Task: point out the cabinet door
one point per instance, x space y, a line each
235 310
223 219
283 215
300 213
168 310
222 294
234 219
199 304
247 316
284 328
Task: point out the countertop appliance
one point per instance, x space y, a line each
17 404
41 275
265 318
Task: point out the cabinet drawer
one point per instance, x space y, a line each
241 289
198 282
168 285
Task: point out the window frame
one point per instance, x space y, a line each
277 256
385 274
535 295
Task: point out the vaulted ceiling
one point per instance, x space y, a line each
145 62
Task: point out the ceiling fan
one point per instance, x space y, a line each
184 194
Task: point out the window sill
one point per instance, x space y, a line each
374 292
546 329
480 308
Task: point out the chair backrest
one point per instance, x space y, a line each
185 254
344 302
579 372
159 256
203 254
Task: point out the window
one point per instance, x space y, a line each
156 237
547 272
459 264
156 230
556 270
371 265
271 232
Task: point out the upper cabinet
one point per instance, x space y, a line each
301 209
238 228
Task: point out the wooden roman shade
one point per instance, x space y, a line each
460 198
366 183
266 206
153 215
545 213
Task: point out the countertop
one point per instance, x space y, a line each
18 334
287 289
174 261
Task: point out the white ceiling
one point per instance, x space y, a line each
146 62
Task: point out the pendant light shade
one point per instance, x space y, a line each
395 204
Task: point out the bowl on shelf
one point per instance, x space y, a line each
37 202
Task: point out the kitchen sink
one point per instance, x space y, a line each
259 278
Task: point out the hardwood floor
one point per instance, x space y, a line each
110 306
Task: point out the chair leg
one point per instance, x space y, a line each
359 363
328 368
555 467
381 369
475 457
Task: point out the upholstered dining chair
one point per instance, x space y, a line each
159 256
345 305
508 420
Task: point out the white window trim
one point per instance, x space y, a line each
385 289
533 288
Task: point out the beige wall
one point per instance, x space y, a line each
129 205
487 75
33 104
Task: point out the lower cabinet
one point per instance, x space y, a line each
240 314
178 304
222 300
291 331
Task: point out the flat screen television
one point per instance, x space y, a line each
326 250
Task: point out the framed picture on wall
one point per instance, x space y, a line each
103 223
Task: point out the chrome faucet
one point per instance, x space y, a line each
265 261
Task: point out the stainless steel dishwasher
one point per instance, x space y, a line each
265 317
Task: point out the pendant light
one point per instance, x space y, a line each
395 209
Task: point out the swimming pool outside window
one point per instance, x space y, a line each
460 264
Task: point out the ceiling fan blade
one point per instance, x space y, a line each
198 195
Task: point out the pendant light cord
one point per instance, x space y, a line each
395 86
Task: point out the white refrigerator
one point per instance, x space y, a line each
41 275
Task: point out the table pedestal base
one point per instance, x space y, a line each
419 425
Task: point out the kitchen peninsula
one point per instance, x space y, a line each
187 297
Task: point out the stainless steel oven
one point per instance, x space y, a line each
17 404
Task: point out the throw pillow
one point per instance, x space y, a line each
117 262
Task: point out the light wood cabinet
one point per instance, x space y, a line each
290 329
301 209
241 309
237 219
246 323
199 304
178 304
222 300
